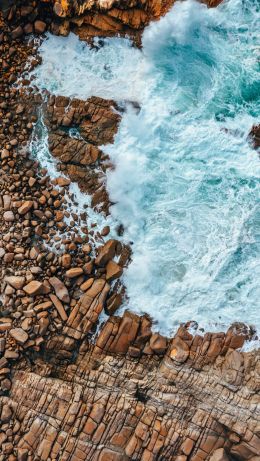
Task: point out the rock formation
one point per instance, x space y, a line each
78 382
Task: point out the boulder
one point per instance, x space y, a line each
158 343
106 252
113 270
179 350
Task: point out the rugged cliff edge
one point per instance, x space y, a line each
67 390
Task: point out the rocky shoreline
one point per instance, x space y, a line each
69 391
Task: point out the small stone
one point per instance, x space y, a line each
66 261
17 32
59 307
25 207
39 27
31 182
15 281
6 385
60 289
74 272
105 231
33 288
28 28
179 350
62 181
19 109
9 216
19 335
6 414
86 285
5 154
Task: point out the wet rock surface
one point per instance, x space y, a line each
70 390
95 122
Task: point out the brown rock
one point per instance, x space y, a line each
25 207
219 455
158 343
19 335
61 181
15 281
86 285
6 414
179 350
39 27
17 32
74 272
59 307
60 289
9 216
106 252
113 270
33 288
66 261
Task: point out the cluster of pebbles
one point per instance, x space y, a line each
47 251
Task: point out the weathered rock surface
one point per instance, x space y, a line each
67 390
96 122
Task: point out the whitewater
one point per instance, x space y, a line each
186 179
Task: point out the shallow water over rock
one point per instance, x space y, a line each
186 183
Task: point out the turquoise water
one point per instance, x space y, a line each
186 183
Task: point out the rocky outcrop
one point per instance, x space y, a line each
94 123
115 404
89 18
76 381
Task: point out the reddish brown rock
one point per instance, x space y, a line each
19 335
25 207
60 290
16 281
113 270
74 272
106 252
158 343
39 27
33 288
179 350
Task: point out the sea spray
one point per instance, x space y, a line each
186 183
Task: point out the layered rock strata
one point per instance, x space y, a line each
70 391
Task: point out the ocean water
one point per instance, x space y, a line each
186 182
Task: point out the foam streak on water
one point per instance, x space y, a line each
186 183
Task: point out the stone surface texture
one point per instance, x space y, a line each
77 381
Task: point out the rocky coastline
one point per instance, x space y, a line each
70 391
